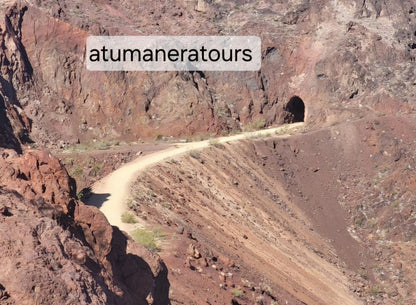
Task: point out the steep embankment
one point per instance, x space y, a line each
321 218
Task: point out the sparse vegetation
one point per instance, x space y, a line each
144 194
96 167
173 161
283 130
148 239
237 292
359 221
76 171
195 154
216 143
131 204
222 112
363 273
127 217
374 290
255 125
167 205
88 146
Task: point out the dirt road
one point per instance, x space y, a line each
111 193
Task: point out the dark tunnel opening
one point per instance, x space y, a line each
295 109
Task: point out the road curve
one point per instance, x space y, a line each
111 192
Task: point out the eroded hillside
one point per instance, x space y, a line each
324 217
342 58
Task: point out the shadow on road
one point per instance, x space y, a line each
94 199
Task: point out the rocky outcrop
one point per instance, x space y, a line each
56 250
37 175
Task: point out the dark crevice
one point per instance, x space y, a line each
22 176
269 50
354 94
7 136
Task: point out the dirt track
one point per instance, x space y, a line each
111 192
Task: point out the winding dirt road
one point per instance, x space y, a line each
111 193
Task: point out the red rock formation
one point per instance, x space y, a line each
58 249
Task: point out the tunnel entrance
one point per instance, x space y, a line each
295 110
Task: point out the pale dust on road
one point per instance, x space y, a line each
110 194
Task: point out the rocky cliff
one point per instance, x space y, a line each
341 58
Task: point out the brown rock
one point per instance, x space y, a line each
39 175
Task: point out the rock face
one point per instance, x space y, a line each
334 56
56 250
36 175
15 73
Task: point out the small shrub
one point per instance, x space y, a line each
237 292
144 195
131 204
216 143
76 171
374 290
167 205
96 169
283 130
194 154
255 125
148 239
127 217
363 273
100 145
